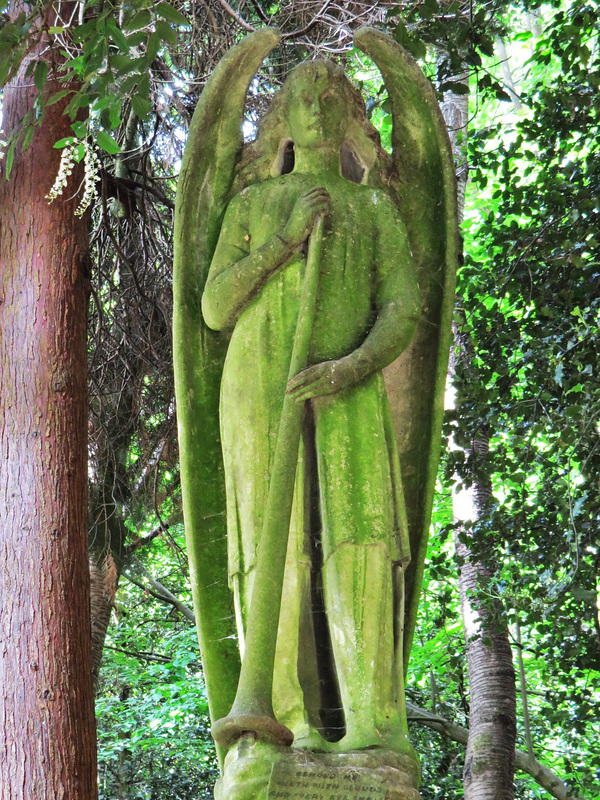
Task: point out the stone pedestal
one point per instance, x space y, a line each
258 771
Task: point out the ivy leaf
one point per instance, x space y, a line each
27 137
473 58
409 41
166 32
84 31
114 115
107 143
139 20
5 65
73 105
141 105
57 97
454 87
119 61
502 95
152 47
129 65
429 8
79 152
144 86
64 142
166 11
79 128
9 158
40 75
117 34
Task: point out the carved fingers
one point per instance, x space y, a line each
325 378
300 222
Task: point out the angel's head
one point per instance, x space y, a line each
320 105
317 106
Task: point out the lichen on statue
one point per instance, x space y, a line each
339 639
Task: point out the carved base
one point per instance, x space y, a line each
255 770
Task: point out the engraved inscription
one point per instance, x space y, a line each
313 782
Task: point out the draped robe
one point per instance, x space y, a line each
365 265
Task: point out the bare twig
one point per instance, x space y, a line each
140 654
307 28
240 20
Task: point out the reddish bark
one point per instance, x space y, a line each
47 747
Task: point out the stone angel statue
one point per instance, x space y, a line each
313 293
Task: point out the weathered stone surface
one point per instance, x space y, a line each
255 771
329 510
315 782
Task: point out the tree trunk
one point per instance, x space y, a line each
47 747
490 756
106 541
104 579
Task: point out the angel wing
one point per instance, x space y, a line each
204 189
424 181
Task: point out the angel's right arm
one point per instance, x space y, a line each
236 273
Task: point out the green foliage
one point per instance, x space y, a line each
152 711
461 37
105 62
530 288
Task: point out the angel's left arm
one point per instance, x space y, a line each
397 302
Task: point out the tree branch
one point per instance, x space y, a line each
158 591
240 20
142 654
542 775
260 12
142 541
523 687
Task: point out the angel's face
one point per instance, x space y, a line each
317 114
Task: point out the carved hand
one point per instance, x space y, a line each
328 377
300 222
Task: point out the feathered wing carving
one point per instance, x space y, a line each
425 184
204 189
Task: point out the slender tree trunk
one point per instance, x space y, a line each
106 541
104 580
490 757
47 746
107 534
489 761
507 74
